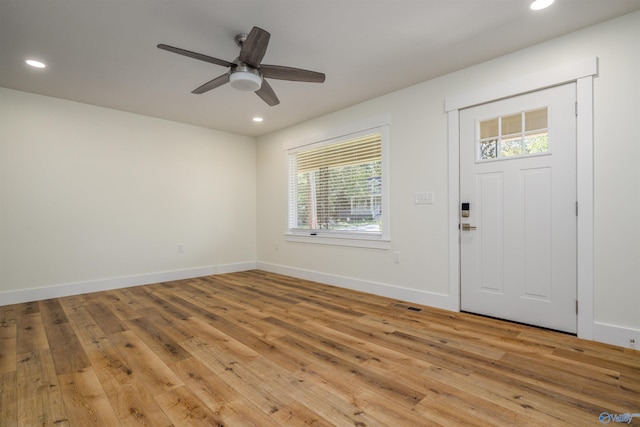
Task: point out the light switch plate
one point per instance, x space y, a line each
424 198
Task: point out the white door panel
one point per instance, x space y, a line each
520 261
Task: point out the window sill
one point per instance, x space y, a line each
353 241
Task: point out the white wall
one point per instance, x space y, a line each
94 198
418 136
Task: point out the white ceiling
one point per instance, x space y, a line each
104 52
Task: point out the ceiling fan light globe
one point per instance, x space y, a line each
245 81
541 4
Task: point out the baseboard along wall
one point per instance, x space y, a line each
602 332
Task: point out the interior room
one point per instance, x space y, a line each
162 264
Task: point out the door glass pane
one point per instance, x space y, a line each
514 135
489 149
535 120
489 129
511 147
536 143
512 124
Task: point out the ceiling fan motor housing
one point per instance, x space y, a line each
245 78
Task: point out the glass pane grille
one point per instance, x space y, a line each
514 135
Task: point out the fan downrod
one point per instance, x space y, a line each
240 39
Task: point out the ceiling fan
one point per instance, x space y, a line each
246 73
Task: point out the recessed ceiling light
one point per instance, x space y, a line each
541 4
35 64
257 119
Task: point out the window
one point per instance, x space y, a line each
337 190
521 134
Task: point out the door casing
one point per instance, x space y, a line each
582 72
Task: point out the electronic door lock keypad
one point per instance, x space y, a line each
464 210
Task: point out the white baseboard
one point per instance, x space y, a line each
76 288
602 332
390 291
616 335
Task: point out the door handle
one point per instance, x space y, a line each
468 227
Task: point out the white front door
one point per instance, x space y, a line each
518 177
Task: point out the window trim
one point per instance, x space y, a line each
378 124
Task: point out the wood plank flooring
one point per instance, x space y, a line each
260 349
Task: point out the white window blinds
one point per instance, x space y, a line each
337 187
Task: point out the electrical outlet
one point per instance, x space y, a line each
396 257
180 248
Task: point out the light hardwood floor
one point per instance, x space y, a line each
260 349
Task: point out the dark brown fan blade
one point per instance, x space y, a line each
267 94
218 81
196 55
289 73
254 47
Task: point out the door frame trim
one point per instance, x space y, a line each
582 73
